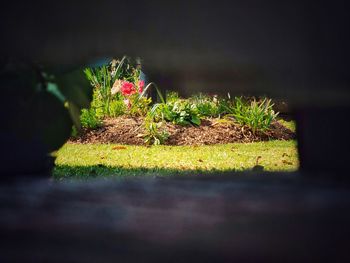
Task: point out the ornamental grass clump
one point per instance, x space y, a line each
258 115
101 80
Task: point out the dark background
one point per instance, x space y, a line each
297 51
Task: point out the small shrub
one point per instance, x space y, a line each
89 119
139 105
258 115
180 112
153 135
98 105
207 109
117 108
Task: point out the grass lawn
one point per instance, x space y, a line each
92 160
288 124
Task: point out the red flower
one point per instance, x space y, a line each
141 85
128 88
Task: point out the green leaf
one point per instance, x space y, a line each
196 120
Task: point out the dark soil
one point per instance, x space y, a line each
126 130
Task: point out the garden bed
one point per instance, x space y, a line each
130 130
122 112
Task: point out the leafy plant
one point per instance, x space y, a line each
89 119
172 96
97 104
153 135
211 106
180 112
101 79
140 106
207 106
258 115
224 105
207 109
117 108
159 93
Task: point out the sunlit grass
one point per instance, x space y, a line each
288 124
91 160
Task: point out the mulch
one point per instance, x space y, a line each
129 130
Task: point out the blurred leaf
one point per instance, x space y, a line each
45 118
75 87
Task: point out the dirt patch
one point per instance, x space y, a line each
126 130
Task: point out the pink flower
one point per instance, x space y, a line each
141 85
128 88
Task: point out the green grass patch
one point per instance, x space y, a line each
95 160
288 124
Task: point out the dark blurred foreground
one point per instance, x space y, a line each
242 217
296 51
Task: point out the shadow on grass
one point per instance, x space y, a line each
99 171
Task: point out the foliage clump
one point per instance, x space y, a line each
117 90
89 119
180 112
256 114
153 133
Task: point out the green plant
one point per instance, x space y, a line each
224 105
102 79
159 93
153 135
180 112
74 132
171 96
97 104
207 106
139 106
258 115
207 109
122 69
89 119
117 108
